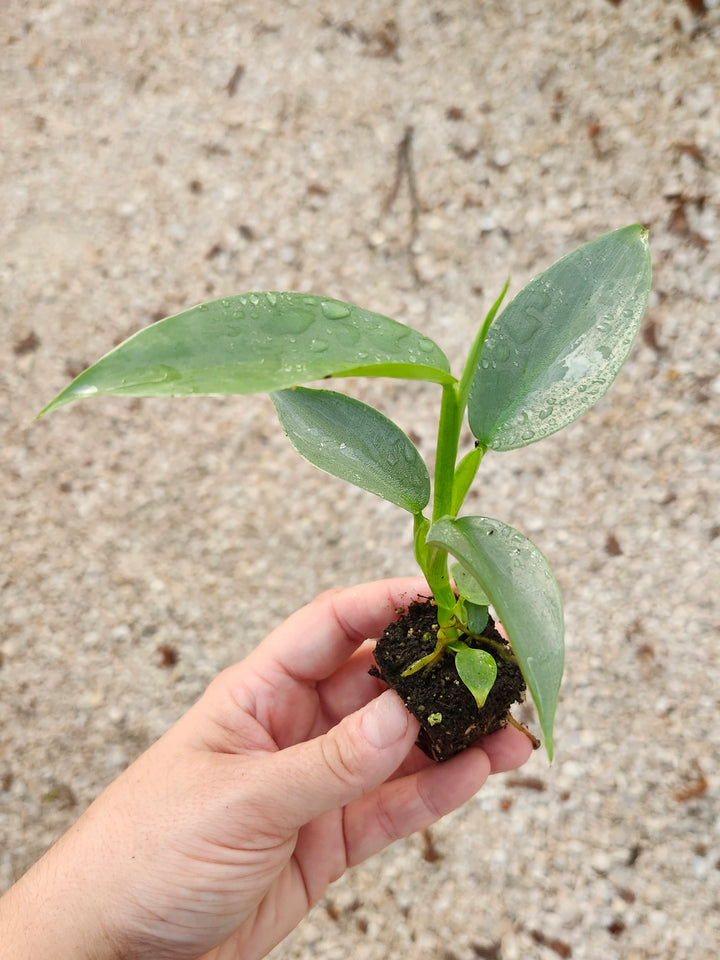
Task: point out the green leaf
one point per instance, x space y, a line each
355 442
464 476
518 580
257 343
477 617
472 617
557 347
477 669
467 585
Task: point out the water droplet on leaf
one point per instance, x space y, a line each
501 352
291 319
525 327
334 310
85 390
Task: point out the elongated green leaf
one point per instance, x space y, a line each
518 580
477 669
257 343
557 347
464 476
355 442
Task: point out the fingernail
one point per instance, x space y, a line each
385 720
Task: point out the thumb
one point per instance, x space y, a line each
361 752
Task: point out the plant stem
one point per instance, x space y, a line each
523 729
446 454
500 650
451 482
438 578
445 457
425 661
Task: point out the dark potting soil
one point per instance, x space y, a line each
450 719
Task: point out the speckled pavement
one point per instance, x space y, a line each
155 155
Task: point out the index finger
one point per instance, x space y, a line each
316 640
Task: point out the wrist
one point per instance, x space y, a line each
53 913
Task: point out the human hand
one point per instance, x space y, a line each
293 766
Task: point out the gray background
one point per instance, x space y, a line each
155 155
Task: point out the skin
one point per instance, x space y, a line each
293 766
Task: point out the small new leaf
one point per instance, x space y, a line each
477 617
464 476
467 585
477 670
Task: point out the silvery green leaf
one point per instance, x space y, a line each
557 347
519 583
257 343
353 441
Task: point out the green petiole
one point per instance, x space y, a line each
452 480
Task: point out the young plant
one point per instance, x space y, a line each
530 371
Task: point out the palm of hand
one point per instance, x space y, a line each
267 789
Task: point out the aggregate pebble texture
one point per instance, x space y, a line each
155 155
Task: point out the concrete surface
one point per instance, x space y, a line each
155 155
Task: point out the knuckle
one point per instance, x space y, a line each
329 599
341 758
328 595
388 825
427 799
